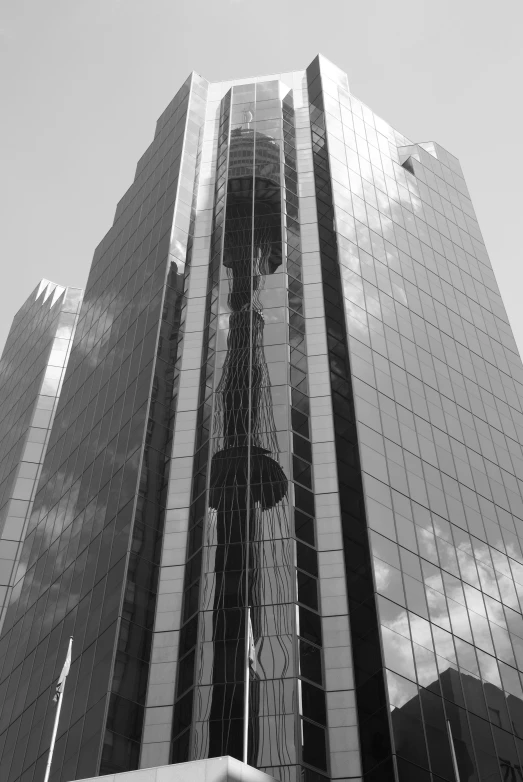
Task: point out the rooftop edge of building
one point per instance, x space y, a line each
221 769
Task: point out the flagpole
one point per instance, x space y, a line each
53 739
453 752
247 688
250 503
62 679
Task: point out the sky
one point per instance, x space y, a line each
83 81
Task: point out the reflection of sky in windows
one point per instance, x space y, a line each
438 400
437 379
450 613
31 374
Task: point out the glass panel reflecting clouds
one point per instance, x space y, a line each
293 387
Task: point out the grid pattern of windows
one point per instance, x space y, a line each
31 372
436 379
253 451
89 564
313 713
364 630
156 744
292 387
186 654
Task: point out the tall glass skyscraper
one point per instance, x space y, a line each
292 387
31 373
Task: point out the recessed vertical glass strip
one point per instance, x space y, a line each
371 701
312 706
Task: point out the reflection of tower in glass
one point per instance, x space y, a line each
246 479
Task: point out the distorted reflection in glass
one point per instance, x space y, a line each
248 559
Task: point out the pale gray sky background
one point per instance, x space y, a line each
83 81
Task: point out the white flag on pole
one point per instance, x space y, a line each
252 647
58 699
65 671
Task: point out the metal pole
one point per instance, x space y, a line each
247 531
53 739
247 687
453 752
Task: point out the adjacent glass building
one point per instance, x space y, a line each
31 373
293 387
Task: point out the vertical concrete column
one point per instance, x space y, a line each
162 680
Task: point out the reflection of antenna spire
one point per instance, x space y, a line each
246 479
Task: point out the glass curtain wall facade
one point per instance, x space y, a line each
293 390
435 378
90 556
253 463
31 373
